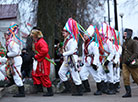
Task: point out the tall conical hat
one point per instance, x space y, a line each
90 31
71 27
103 29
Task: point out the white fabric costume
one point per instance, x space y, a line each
70 49
87 68
117 61
109 47
13 53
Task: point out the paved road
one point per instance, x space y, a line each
89 97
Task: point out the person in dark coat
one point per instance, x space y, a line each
130 52
27 60
30 54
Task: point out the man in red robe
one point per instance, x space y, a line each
41 74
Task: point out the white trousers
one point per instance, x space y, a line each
116 74
97 75
17 79
110 75
17 63
63 71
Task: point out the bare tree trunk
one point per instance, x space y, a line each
46 22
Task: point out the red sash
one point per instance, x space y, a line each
86 44
66 41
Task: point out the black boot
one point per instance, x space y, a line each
11 81
118 85
86 86
116 88
128 91
99 86
78 91
21 92
105 87
38 88
67 87
49 92
111 89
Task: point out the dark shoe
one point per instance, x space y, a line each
118 85
111 89
86 86
21 92
38 88
78 91
128 92
98 92
105 87
11 82
116 88
49 92
67 87
110 92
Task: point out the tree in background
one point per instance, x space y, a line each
53 14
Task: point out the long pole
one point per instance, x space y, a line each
121 15
122 24
115 13
108 11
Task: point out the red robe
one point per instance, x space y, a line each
41 75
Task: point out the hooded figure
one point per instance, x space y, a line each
129 33
129 54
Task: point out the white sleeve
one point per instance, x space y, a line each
111 51
14 49
72 47
3 60
118 54
96 54
120 50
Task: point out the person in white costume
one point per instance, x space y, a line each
70 61
15 60
90 56
116 66
109 53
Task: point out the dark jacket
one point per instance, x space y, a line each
130 50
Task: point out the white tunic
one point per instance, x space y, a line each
109 47
118 54
87 68
14 52
92 50
70 49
